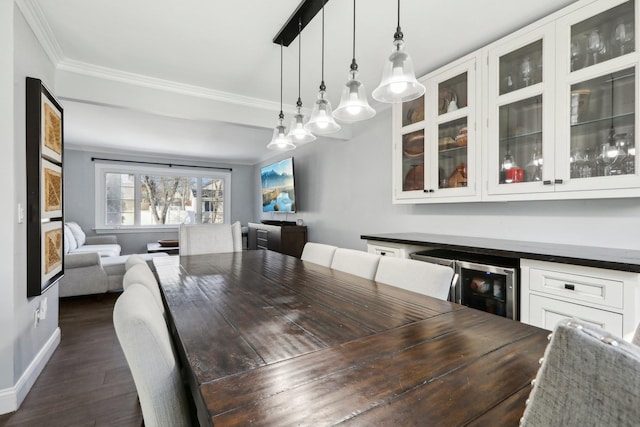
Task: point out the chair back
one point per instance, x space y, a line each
418 276
318 253
359 263
133 260
587 378
142 274
198 239
145 341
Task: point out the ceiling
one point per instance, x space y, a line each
225 48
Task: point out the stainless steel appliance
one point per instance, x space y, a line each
487 283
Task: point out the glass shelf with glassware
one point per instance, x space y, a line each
602 37
521 68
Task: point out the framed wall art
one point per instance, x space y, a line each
44 213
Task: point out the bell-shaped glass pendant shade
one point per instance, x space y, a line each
280 140
354 105
298 134
399 82
321 120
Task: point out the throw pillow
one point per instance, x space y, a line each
70 243
77 233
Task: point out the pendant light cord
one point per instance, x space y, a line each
281 115
322 85
398 35
299 102
354 65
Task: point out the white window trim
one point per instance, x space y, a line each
100 201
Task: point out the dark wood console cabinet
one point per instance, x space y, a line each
286 239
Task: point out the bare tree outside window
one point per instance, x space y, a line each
160 193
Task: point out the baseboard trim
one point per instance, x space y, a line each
11 398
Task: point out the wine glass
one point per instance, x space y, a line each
575 55
526 69
596 45
622 35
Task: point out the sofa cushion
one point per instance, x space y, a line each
103 250
70 243
115 267
77 233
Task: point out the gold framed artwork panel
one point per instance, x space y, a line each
51 249
51 135
45 177
51 190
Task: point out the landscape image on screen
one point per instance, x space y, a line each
278 187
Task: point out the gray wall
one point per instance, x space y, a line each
344 190
79 195
20 341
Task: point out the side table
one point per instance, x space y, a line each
156 247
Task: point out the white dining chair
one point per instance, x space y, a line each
133 260
145 341
359 263
142 274
587 378
198 239
318 253
418 276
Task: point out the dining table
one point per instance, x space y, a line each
266 339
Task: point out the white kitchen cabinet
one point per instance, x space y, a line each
552 291
396 250
436 151
550 113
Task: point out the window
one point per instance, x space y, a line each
152 197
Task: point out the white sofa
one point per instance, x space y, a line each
92 264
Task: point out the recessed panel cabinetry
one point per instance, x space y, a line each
435 149
550 113
606 298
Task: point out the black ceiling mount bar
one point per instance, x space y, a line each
93 159
304 13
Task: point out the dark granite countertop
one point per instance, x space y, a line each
601 257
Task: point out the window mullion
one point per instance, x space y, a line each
137 198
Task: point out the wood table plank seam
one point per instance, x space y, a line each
478 416
392 398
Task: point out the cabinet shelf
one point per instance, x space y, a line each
603 120
522 136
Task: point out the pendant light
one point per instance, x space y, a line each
321 121
399 82
354 105
280 140
297 132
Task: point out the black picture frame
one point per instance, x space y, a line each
44 167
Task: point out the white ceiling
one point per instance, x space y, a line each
226 47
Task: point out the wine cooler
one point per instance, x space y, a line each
485 283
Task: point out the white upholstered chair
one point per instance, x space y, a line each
133 260
318 253
142 274
359 263
418 276
587 378
144 338
197 239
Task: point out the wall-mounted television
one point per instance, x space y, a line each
278 187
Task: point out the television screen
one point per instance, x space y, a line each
278 192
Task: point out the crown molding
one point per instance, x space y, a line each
101 72
35 18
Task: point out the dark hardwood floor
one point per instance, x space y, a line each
87 381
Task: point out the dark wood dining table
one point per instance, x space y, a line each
269 340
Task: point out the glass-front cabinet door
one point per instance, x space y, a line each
598 98
409 159
435 144
520 114
454 143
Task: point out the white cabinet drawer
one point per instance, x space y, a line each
580 288
547 312
386 251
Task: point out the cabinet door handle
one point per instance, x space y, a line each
383 253
547 182
431 190
425 190
569 287
558 181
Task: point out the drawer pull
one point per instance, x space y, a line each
569 287
383 253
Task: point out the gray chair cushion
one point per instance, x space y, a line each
588 378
